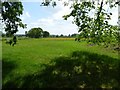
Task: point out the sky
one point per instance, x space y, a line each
50 18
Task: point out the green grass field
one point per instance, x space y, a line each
59 62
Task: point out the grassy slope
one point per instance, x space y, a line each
28 55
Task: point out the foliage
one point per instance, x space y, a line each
12 41
94 29
46 34
35 33
48 2
74 35
11 12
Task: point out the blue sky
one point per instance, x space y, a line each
50 19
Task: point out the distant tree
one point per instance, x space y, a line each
69 35
35 33
46 34
57 35
53 36
61 35
73 35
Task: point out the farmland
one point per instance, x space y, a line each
59 62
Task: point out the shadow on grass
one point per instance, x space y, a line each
7 67
80 70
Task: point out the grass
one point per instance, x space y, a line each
32 62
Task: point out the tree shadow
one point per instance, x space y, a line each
7 67
79 70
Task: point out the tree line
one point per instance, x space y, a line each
37 33
40 33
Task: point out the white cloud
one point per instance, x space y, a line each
27 14
114 17
63 10
49 21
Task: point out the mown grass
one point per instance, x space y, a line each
24 64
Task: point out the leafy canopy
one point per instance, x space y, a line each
94 29
35 33
11 12
46 34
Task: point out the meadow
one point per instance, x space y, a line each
59 62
